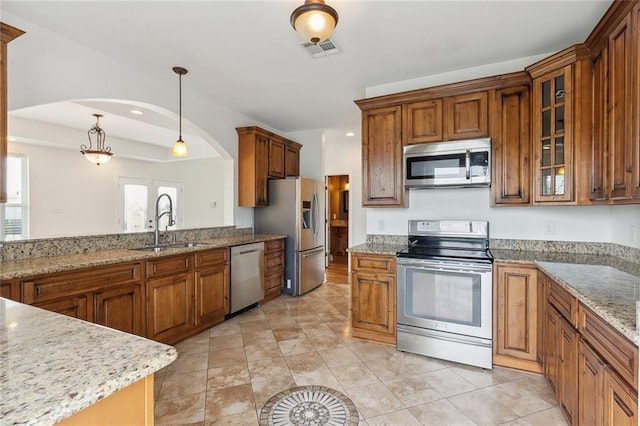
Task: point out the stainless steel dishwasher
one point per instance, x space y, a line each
247 276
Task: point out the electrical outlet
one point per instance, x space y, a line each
549 227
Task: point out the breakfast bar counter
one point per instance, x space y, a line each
55 368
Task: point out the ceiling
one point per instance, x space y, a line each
246 56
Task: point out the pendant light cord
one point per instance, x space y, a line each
180 104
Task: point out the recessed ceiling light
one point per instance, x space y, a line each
136 112
12 139
350 134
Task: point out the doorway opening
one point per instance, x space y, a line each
337 231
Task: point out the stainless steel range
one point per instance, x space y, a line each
445 292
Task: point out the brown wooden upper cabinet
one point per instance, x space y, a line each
276 157
561 119
511 145
466 116
7 33
451 118
382 158
615 149
263 155
422 121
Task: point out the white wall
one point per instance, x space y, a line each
70 196
625 225
343 156
569 223
312 152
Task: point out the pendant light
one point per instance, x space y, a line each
314 21
101 154
180 148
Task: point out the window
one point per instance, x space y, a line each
14 215
138 204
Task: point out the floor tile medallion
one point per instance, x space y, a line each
309 406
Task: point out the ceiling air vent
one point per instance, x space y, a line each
324 48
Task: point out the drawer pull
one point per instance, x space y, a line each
622 405
155 268
38 291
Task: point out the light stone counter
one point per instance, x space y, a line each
609 292
10 269
377 248
608 285
53 366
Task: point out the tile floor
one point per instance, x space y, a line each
226 374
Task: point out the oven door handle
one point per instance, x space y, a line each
425 266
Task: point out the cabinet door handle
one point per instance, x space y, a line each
622 405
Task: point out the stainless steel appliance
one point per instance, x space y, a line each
247 276
448 164
444 303
296 209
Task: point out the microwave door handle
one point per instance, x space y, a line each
467 163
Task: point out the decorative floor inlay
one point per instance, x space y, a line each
309 406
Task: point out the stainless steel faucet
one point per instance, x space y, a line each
156 235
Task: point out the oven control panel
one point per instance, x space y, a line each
449 228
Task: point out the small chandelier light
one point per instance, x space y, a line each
314 21
101 154
180 148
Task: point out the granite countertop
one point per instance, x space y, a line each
379 248
608 285
10 269
54 366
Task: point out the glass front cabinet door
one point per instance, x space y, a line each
552 136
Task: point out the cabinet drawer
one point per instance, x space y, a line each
49 287
275 245
273 262
564 302
617 350
211 257
373 263
168 265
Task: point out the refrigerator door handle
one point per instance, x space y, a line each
315 213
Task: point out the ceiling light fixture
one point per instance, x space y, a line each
136 112
180 148
350 134
101 154
314 21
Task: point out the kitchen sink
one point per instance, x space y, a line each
163 247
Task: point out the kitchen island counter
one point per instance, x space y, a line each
11 269
54 367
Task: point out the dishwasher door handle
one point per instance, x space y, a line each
247 251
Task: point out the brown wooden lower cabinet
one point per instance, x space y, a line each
212 294
121 308
373 297
567 370
620 401
592 367
170 307
72 306
515 316
590 386
273 268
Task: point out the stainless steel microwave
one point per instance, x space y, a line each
448 164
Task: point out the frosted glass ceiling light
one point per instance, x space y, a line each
180 148
101 154
314 21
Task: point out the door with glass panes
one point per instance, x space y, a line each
552 136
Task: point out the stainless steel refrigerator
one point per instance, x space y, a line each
296 209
